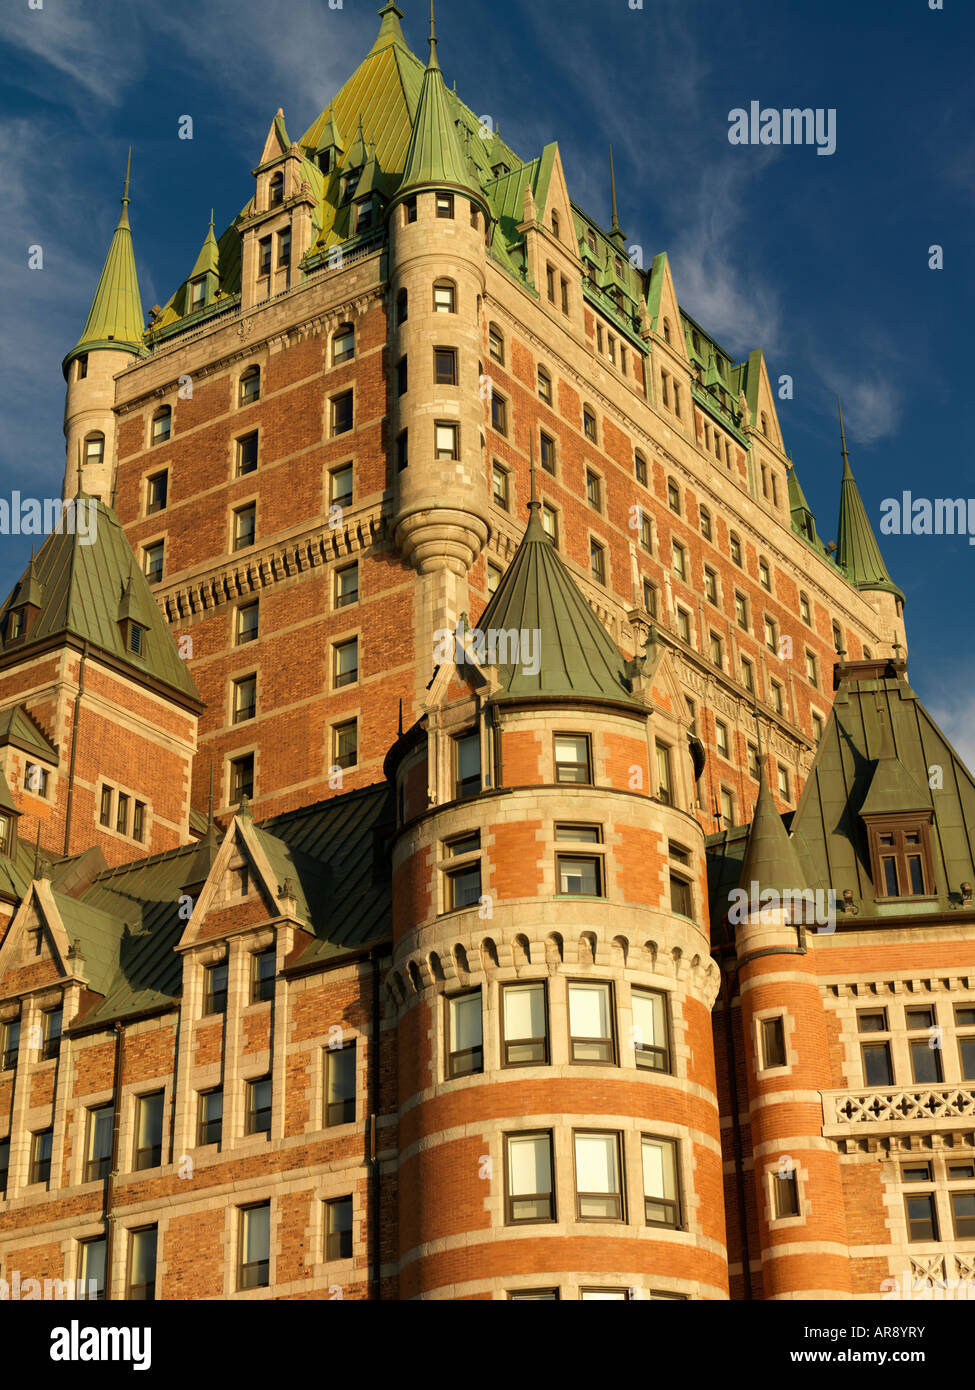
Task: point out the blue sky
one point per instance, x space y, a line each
822 261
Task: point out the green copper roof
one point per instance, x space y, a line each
23 732
874 757
208 261
7 803
330 137
576 656
770 858
435 157
857 551
803 521
115 319
84 586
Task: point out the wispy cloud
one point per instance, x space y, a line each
954 710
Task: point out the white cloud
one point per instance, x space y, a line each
954 711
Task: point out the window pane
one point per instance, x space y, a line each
142 1263
876 1065
524 1018
465 1022
257 1234
150 1130
529 1165
596 1165
648 1017
926 1063
93 1265
659 1177
589 1011
340 1091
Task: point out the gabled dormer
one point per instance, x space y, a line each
24 608
898 816
277 228
331 146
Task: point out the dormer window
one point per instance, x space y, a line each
325 161
277 189
349 185
36 780
5 835
198 291
363 214
16 623
900 854
135 638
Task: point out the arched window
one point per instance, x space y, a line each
250 386
640 468
402 306
444 297
94 448
496 343
343 344
555 224
666 330
162 424
277 189
589 424
544 385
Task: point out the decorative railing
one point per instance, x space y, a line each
934 1107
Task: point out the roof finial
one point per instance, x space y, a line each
128 170
210 799
533 502
612 185
211 219
846 457
432 61
758 735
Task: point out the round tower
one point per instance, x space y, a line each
559 1131
438 221
803 1238
115 325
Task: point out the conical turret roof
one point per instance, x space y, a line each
435 158
208 261
857 551
115 319
770 859
575 654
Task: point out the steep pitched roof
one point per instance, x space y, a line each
770 857
115 319
208 261
857 551
537 594
827 828
434 157
85 580
18 728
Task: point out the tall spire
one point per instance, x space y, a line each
435 157
857 551
115 320
616 231
533 502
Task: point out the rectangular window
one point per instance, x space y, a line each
680 562
402 450
342 412
152 562
650 1037
565 294
140 1285
210 1117
877 1069
721 737
446 440
773 1042
726 801
597 1167
593 490
445 366
804 612
402 376
573 762
215 989
244 698
246 623
734 547
524 1024
284 247
346 586
771 634
409 209
445 205
681 900
345 666
465 1038
4 1165
684 624
254 1242
157 491
245 526
149 1130
499 482
785 1188
51 1033
665 783
550 282
965 1018
341 484
926 1051
753 765
467 765
529 1189
258 1106
340 1085
650 598
98 1144
748 675
264 255
139 821
660 1191
241 778
41 1147
765 576
591 1036
550 522
345 744
963 1214
247 453
462 887
11 1045
496 344
579 875
91 1266
710 585
338 1229
597 562
589 425
646 533
263 971
122 814
783 781
716 651
547 452
812 674
922 1217
778 703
